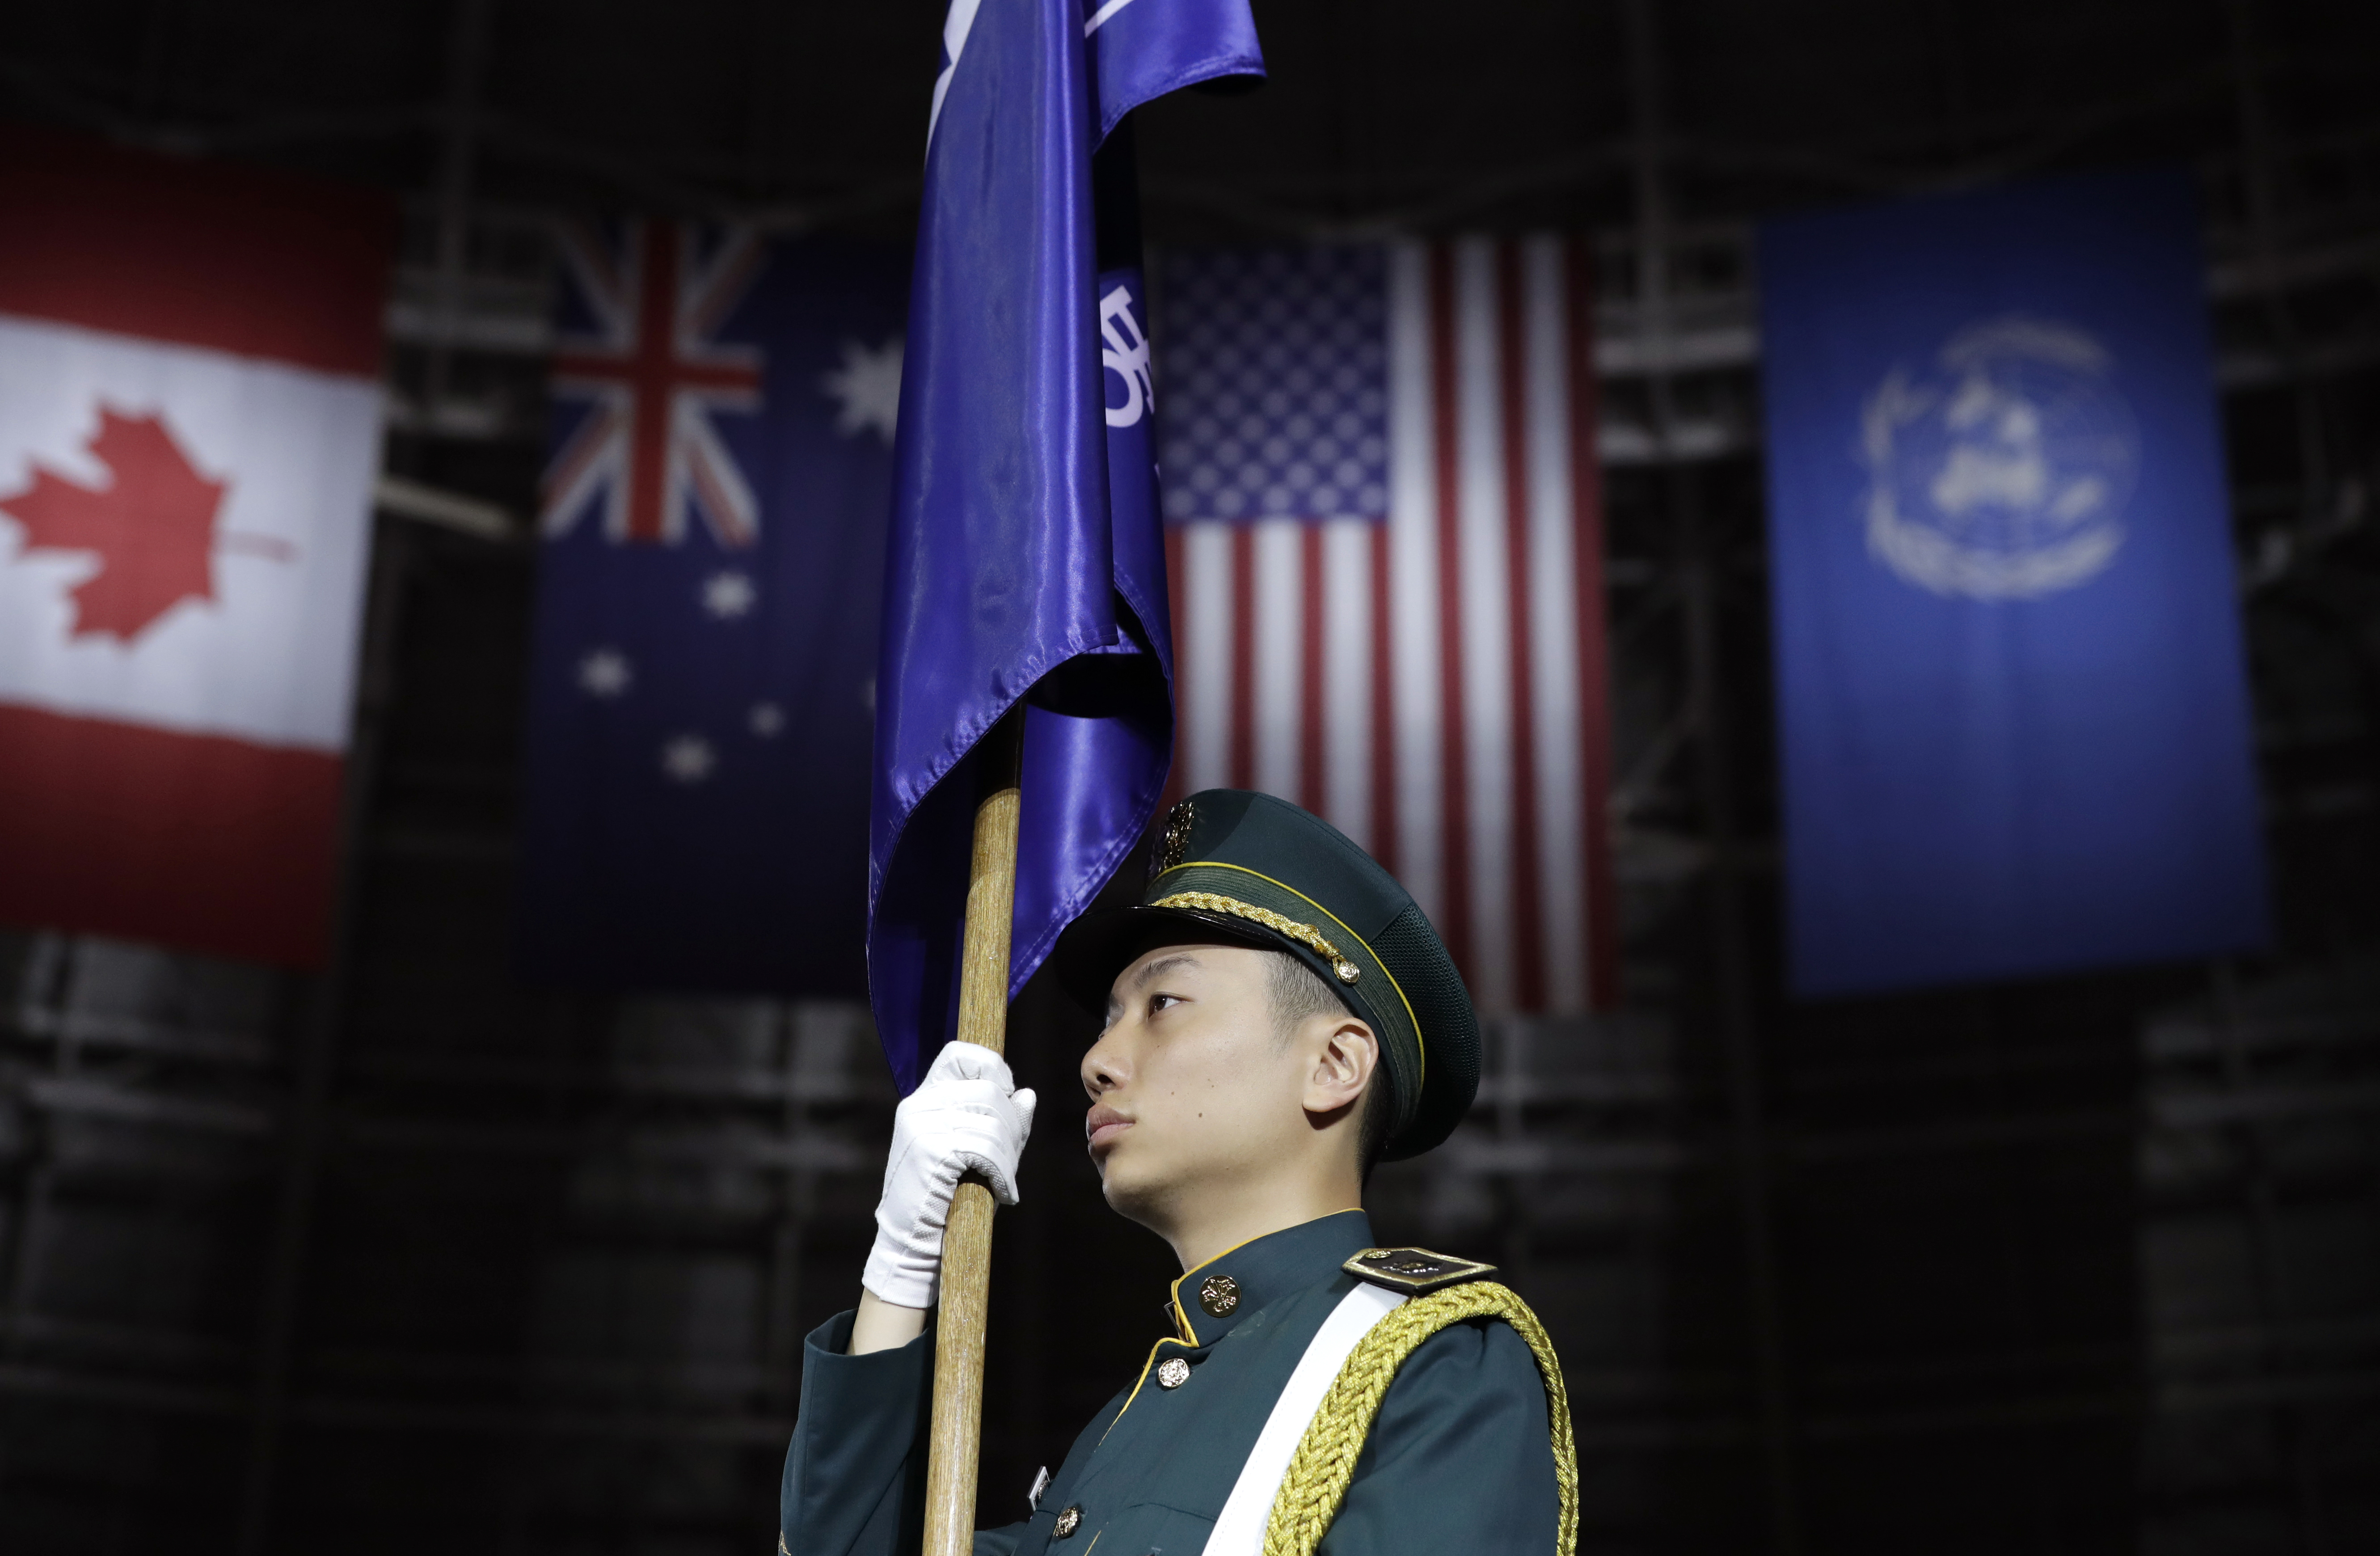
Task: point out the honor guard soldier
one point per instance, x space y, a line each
1280 1015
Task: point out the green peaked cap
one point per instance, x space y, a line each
1248 868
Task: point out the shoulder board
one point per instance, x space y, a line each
1415 1272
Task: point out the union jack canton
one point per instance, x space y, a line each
651 374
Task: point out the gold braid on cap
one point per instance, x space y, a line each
1305 934
1325 1461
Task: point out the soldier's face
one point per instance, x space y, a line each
1191 1093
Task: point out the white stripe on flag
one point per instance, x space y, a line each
1345 681
1554 624
1413 578
1279 672
1484 541
1206 657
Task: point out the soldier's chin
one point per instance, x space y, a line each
1128 1192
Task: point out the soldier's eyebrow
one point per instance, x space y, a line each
1140 980
1163 964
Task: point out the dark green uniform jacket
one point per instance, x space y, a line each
1459 1458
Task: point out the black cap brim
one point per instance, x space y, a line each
1099 945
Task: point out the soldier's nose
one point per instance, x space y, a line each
1100 1072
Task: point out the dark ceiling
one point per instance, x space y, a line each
1383 112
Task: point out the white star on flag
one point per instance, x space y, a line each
729 595
868 386
604 672
688 759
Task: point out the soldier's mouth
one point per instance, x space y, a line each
1101 1126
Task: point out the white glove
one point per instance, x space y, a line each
966 1116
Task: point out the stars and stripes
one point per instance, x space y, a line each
1410 645
651 374
1281 357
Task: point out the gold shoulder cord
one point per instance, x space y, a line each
1325 1461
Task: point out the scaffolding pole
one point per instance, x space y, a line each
1706 722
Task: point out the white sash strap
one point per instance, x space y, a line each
1239 1527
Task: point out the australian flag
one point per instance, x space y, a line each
710 574
1027 559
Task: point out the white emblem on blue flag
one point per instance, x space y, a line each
1126 354
957 22
2002 474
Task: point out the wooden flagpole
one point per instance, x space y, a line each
957 1428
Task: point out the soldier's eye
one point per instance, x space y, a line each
1158 1001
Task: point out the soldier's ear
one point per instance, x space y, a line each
1346 1059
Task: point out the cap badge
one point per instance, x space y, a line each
1175 842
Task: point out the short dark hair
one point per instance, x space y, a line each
1297 993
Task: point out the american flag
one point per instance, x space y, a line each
1386 553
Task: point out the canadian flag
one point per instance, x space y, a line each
189 426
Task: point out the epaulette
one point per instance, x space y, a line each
1415 1272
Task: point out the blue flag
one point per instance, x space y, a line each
1026 561
2009 680
708 603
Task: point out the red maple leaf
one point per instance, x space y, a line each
152 524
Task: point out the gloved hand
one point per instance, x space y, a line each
967 1115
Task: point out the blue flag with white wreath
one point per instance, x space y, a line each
702 680
2011 697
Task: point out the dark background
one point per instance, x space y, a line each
409 1256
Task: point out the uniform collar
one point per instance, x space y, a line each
1243 1279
